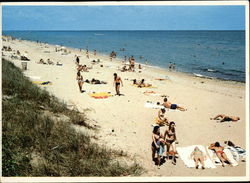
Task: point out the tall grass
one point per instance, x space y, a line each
35 145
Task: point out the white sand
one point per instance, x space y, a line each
128 117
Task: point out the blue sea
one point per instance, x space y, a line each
215 54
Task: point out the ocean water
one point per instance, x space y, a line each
215 54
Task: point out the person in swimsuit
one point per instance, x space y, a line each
79 78
223 118
117 83
95 52
87 53
142 84
171 140
219 152
198 156
77 60
169 105
162 119
157 145
132 63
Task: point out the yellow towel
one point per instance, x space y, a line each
100 95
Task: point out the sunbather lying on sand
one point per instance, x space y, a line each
95 81
143 84
50 62
198 156
219 152
223 118
169 105
41 61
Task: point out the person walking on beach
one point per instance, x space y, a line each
80 81
117 83
132 63
95 52
77 60
87 53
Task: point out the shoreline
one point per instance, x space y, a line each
124 121
119 60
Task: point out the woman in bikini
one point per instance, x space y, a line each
219 152
117 83
157 145
170 139
198 156
80 81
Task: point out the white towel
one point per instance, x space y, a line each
185 152
217 161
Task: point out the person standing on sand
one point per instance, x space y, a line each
157 145
171 140
80 81
77 60
117 83
95 52
87 53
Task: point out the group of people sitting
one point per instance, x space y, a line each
141 83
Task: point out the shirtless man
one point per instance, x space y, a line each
117 83
169 105
225 118
162 119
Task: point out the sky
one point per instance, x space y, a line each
123 17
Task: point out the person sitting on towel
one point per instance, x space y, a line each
219 152
198 156
169 105
223 118
162 119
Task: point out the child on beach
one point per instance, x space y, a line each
157 145
223 118
198 156
219 152
80 81
117 83
169 105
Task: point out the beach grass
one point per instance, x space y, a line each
36 142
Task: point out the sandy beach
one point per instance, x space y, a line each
124 121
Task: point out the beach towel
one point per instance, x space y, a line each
100 95
34 77
153 105
42 82
144 86
217 161
185 152
237 152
